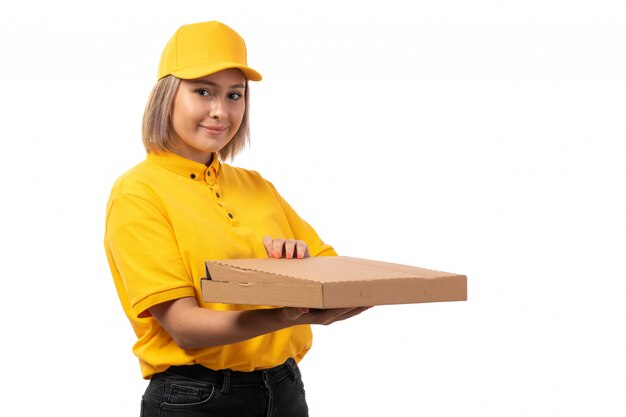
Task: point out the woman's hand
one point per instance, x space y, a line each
292 316
301 315
289 248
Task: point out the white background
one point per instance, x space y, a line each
481 137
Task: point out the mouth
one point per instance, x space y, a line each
215 129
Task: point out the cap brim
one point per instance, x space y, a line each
198 71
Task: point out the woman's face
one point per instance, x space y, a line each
207 112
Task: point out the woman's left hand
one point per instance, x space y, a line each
285 248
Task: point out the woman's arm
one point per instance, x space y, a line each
193 327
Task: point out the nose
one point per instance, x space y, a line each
218 109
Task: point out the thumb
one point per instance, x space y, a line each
294 313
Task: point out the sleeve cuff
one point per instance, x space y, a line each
141 308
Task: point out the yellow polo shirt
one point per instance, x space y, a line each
166 217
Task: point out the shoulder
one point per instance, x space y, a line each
137 194
128 179
243 176
138 180
228 169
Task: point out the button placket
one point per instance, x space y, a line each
218 198
229 215
209 178
217 194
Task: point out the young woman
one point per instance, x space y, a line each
183 206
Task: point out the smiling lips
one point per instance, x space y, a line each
215 129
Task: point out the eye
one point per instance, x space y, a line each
235 96
202 92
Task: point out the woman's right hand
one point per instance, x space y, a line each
301 315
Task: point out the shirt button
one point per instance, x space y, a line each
193 176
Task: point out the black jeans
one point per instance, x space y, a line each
183 391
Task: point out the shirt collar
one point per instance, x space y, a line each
186 167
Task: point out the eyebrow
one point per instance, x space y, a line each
211 83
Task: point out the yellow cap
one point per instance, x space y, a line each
201 49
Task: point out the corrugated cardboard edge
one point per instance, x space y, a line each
405 291
247 285
273 294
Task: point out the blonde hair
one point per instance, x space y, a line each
156 129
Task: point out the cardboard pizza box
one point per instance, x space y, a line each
327 282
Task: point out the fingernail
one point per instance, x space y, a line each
289 256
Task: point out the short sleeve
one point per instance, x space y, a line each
145 254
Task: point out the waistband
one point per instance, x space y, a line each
227 378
